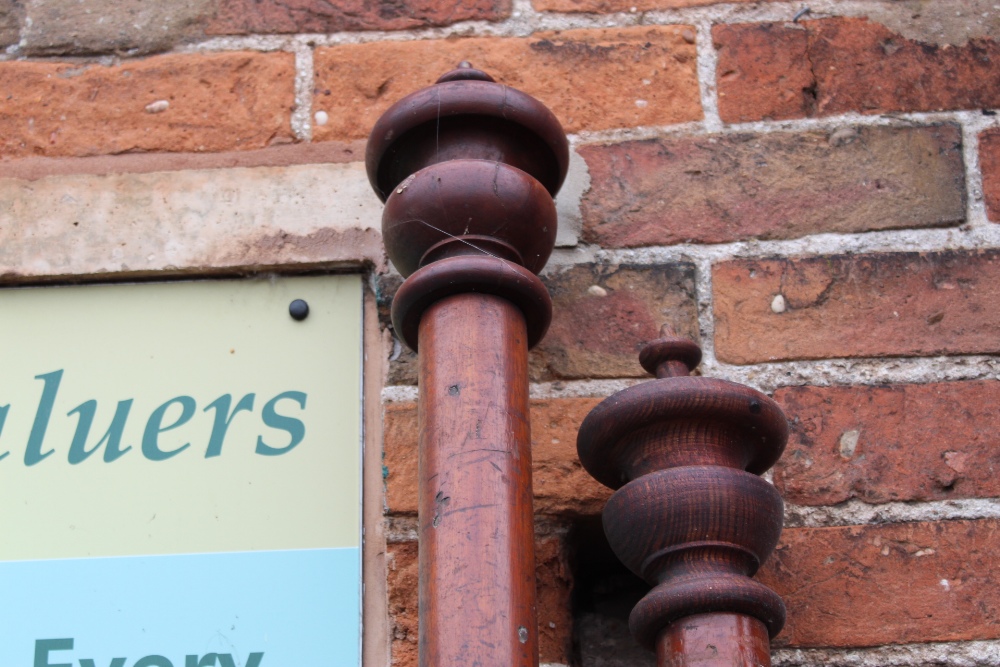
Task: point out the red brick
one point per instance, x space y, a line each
553 581
631 301
838 65
241 17
888 584
763 72
356 83
898 304
561 485
890 443
778 185
217 102
989 162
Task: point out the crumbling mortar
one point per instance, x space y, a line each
858 513
707 65
942 654
304 82
972 124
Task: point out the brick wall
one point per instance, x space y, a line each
813 196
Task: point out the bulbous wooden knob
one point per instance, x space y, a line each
468 168
690 515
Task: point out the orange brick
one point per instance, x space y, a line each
888 584
898 304
217 102
561 485
591 79
890 443
832 66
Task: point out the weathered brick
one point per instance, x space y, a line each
111 26
10 22
888 584
631 302
989 162
830 66
561 485
216 102
778 185
553 584
241 17
632 76
890 443
900 304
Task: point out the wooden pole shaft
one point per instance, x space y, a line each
714 640
477 570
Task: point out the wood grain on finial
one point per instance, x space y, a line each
690 515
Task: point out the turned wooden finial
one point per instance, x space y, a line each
690 514
467 169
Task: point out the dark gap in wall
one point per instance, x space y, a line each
604 592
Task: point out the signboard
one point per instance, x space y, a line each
180 470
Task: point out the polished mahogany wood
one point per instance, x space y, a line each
714 640
477 571
467 169
690 514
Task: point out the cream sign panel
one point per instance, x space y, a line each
180 474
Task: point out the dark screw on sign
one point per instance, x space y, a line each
298 309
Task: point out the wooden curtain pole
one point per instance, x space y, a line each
468 169
690 514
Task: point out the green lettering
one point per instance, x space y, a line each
294 427
33 453
43 646
3 420
153 661
78 448
226 660
222 420
207 660
154 427
115 662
